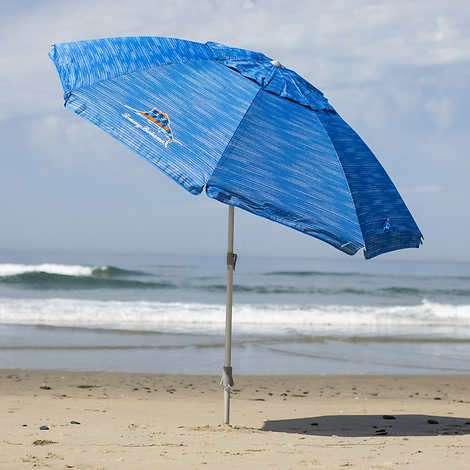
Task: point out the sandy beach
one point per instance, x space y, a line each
96 421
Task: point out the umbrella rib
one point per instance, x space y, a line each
236 130
68 93
347 181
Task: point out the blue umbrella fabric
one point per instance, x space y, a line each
250 132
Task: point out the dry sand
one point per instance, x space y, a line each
126 421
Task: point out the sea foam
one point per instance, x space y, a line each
63 269
209 318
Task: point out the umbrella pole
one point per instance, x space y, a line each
227 380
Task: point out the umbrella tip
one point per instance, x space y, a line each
276 63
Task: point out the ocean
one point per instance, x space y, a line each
165 313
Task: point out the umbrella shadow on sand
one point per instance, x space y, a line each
371 425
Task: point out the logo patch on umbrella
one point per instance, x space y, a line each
154 123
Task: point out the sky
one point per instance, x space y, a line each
398 72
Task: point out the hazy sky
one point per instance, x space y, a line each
398 72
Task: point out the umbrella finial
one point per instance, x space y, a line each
276 63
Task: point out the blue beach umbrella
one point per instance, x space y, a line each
248 131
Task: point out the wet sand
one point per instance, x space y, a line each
63 420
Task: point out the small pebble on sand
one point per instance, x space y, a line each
43 442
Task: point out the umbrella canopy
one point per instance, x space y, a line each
250 132
238 124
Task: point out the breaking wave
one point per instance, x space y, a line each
78 277
313 273
49 281
393 291
207 318
296 273
62 276
8 270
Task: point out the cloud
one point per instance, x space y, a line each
424 189
397 71
327 41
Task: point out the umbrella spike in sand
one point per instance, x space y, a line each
244 129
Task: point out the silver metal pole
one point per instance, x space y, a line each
227 379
